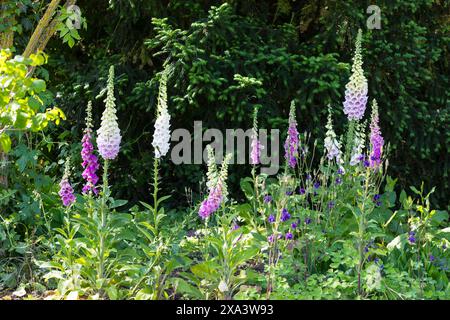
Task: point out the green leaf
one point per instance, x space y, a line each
206 270
118 203
38 85
183 286
5 143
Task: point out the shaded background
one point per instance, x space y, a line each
298 50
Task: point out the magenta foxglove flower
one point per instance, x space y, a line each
212 203
90 160
216 183
291 145
376 140
356 89
108 136
90 164
66 190
255 156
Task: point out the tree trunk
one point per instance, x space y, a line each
6 41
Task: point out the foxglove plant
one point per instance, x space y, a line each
108 142
216 184
356 89
292 141
332 145
161 140
376 140
90 160
355 97
161 136
66 190
255 155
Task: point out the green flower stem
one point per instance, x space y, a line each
350 138
155 194
362 228
103 217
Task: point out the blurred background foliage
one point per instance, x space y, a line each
229 56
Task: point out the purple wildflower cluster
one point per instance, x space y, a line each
412 237
285 215
376 200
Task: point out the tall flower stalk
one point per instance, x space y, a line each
376 139
331 143
355 95
291 146
90 160
108 142
161 139
255 157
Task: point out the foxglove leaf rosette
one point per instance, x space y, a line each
376 140
161 136
356 89
291 145
108 136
